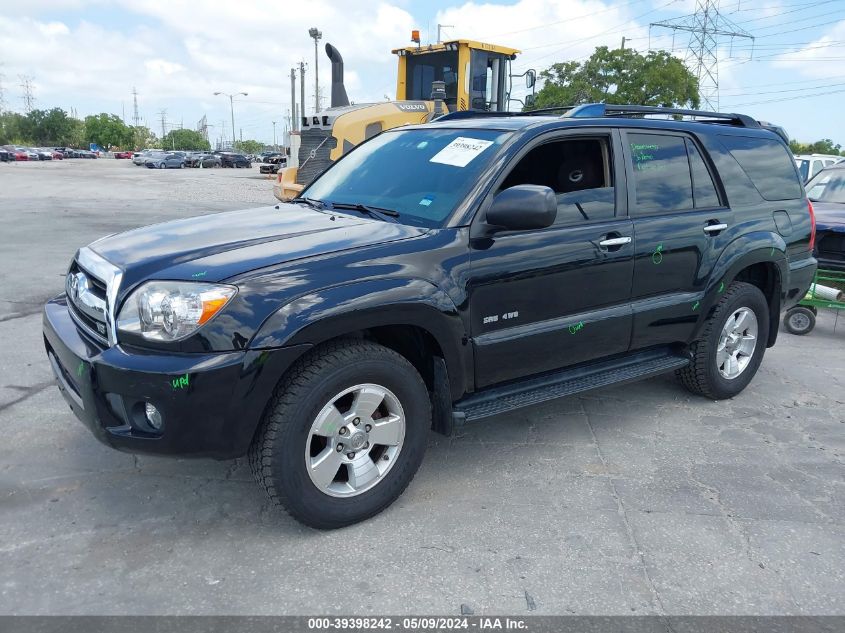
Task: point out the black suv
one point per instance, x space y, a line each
234 160
436 274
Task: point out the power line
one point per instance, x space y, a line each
706 26
28 96
163 118
136 119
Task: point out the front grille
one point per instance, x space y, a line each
320 143
96 327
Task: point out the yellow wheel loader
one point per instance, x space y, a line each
475 75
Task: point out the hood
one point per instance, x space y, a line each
219 246
830 216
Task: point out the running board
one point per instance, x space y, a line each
566 382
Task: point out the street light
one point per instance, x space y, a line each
313 32
232 109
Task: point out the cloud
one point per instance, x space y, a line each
820 58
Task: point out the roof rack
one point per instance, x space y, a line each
591 110
600 110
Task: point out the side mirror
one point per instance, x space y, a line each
523 207
530 101
530 78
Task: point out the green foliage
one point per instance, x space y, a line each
108 131
824 146
249 147
619 76
143 137
184 139
40 128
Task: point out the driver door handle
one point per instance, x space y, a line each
615 241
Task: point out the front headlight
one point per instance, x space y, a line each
172 310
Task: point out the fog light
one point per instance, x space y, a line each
153 416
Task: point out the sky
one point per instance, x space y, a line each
87 56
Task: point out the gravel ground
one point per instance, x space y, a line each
639 499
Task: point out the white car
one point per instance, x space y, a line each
811 164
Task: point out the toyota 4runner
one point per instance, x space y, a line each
437 274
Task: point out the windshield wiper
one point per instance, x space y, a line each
380 213
312 202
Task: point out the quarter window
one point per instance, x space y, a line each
661 172
768 164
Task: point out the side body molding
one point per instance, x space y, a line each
338 310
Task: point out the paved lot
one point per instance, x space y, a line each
631 500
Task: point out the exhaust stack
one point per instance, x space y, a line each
339 97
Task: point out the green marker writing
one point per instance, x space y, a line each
721 286
202 274
180 382
657 255
81 368
695 305
576 327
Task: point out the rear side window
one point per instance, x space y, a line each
768 164
662 179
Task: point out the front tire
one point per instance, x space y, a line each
731 346
344 434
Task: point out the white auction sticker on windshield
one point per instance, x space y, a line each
460 151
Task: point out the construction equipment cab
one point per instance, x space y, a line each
476 76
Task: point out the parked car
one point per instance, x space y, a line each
811 164
5 155
126 154
43 154
234 160
206 160
19 153
67 152
55 154
827 193
31 154
438 273
162 161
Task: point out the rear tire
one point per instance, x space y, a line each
310 423
733 340
799 320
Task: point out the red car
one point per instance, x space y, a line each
58 155
123 154
21 155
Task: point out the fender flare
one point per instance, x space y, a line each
749 249
337 310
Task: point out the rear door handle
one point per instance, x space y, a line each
615 241
715 228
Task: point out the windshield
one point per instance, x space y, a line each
422 174
827 186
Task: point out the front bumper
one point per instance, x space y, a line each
211 404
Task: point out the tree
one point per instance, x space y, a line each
184 139
619 76
249 147
824 146
107 130
50 127
12 129
143 137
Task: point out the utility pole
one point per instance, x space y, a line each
313 32
623 42
705 27
2 94
163 115
274 136
136 120
302 87
293 123
442 26
28 97
232 110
